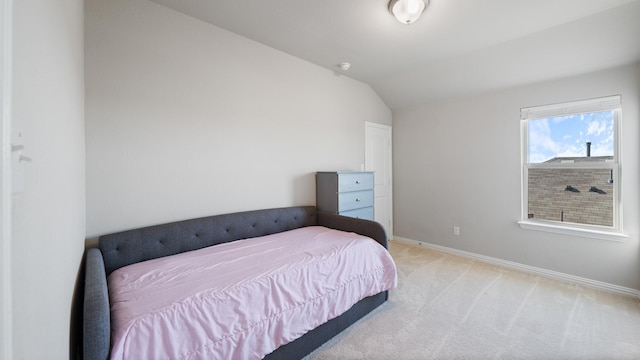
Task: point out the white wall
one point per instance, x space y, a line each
185 119
458 163
48 218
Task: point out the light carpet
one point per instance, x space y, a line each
451 307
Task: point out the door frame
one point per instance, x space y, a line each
367 161
6 320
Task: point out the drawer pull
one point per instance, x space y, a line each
357 200
357 181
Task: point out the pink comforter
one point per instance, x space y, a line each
244 299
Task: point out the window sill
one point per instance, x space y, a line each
574 231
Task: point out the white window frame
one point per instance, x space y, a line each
528 114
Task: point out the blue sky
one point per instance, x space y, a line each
568 135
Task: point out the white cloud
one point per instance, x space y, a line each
596 128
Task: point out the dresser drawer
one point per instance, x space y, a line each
364 213
339 191
355 181
355 200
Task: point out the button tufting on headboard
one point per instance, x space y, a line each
128 247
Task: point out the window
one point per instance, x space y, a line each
571 168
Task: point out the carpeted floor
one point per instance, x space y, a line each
450 307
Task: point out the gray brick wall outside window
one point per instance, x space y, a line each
549 198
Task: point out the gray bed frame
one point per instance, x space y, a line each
120 249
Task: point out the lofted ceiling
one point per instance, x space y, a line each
457 48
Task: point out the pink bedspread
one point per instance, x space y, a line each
244 299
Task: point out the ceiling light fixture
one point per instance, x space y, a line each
407 11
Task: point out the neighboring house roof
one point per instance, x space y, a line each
580 159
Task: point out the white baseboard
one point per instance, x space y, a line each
526 268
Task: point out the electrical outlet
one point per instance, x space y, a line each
456 230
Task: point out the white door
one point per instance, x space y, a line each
5 176
378 159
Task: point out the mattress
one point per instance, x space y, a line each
244 299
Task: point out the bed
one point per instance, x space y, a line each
191 289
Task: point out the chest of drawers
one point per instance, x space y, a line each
347 193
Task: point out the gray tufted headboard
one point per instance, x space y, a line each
129 247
